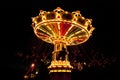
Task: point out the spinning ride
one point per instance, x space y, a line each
62 29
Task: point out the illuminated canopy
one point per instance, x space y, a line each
58 25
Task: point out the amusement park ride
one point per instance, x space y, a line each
62 29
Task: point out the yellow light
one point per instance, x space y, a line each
25 76
54 70
78 30
32 65
36 72
63 70
59 70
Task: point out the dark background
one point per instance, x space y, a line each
16 33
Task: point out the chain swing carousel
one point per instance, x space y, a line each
62 29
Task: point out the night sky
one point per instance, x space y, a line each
17 34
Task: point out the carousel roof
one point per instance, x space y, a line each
62 26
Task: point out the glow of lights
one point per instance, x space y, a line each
62 28
36 72
60 66
25 76
60 70
60 25
32 65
